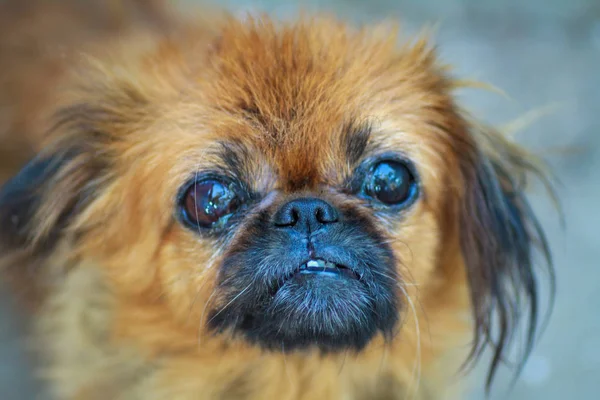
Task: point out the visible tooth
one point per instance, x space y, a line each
314 263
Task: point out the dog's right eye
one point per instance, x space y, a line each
208 203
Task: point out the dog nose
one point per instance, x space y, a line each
306 214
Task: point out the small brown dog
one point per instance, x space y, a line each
225 209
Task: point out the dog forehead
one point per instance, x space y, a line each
283 80
300 95
300 88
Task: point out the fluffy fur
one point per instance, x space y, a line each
115 108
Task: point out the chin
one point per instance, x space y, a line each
203 207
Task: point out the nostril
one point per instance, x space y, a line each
287 216
294 216
326 215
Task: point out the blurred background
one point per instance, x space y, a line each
545 55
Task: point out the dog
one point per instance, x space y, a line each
207 207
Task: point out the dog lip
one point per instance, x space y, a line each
319 266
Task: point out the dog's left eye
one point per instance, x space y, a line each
391 182
208 203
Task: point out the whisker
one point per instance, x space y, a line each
416 373
231 301
195 205
383 274
383 359
343 362
285 364
194 300
210 263
201 324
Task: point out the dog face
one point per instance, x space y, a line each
290 187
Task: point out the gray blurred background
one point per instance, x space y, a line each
545 54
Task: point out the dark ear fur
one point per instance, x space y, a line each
21 196
37 204
499 236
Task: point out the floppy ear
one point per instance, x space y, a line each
20 197
37 204
499 235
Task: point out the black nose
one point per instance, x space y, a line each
306 214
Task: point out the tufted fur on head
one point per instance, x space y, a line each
132 303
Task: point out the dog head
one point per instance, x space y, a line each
288 186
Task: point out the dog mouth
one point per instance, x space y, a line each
330 301
317 269
322 268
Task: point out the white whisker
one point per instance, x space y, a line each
383 360
416 373
343 362
231 301
285 364
202 316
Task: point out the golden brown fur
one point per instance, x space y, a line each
133 101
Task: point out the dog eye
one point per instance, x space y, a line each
209 203
391 182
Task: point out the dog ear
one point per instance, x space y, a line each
499 237
21 196
38 203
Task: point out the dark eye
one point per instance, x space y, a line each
208 203
391 182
